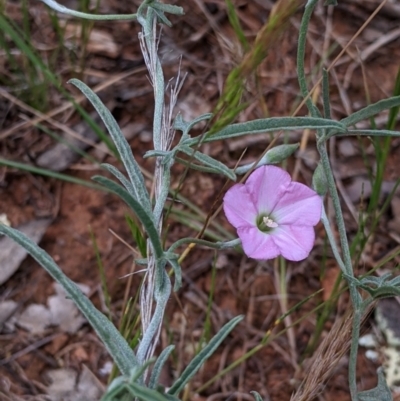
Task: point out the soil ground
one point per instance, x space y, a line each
203 45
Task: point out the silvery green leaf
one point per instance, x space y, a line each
181 125
202 356
119 176
124 150
177 272
161 8
371 110
116 345
117 382
156 153
208 161
384 291
395 281
135 389
268 125
139 210
380 393
160 362
167 8
168 156
214 245
162 18
380 287
62 9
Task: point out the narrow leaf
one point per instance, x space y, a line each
62 9
268 125
195 166
141 213
371 110
379 393
48 173
234 21
120 177
208 161
202 356
155 374
181 125
177 272
167 8
124 150
121 389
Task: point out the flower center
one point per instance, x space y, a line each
266 223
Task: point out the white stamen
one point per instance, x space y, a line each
269 222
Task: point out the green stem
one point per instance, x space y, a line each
301 49
354 295
355 335
345 264
336 205
332 241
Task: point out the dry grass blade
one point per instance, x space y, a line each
67 105
321 366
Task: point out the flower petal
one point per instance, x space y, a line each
267 185
239 208
299 205
256 244
294 242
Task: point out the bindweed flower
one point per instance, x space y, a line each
272 215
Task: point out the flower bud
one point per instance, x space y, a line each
319 182
279 153
274 156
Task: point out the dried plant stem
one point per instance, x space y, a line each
334 346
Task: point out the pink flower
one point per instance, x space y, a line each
272 215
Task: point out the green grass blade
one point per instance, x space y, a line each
102 272
49 173
18 38
137 235
234 20
198 361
